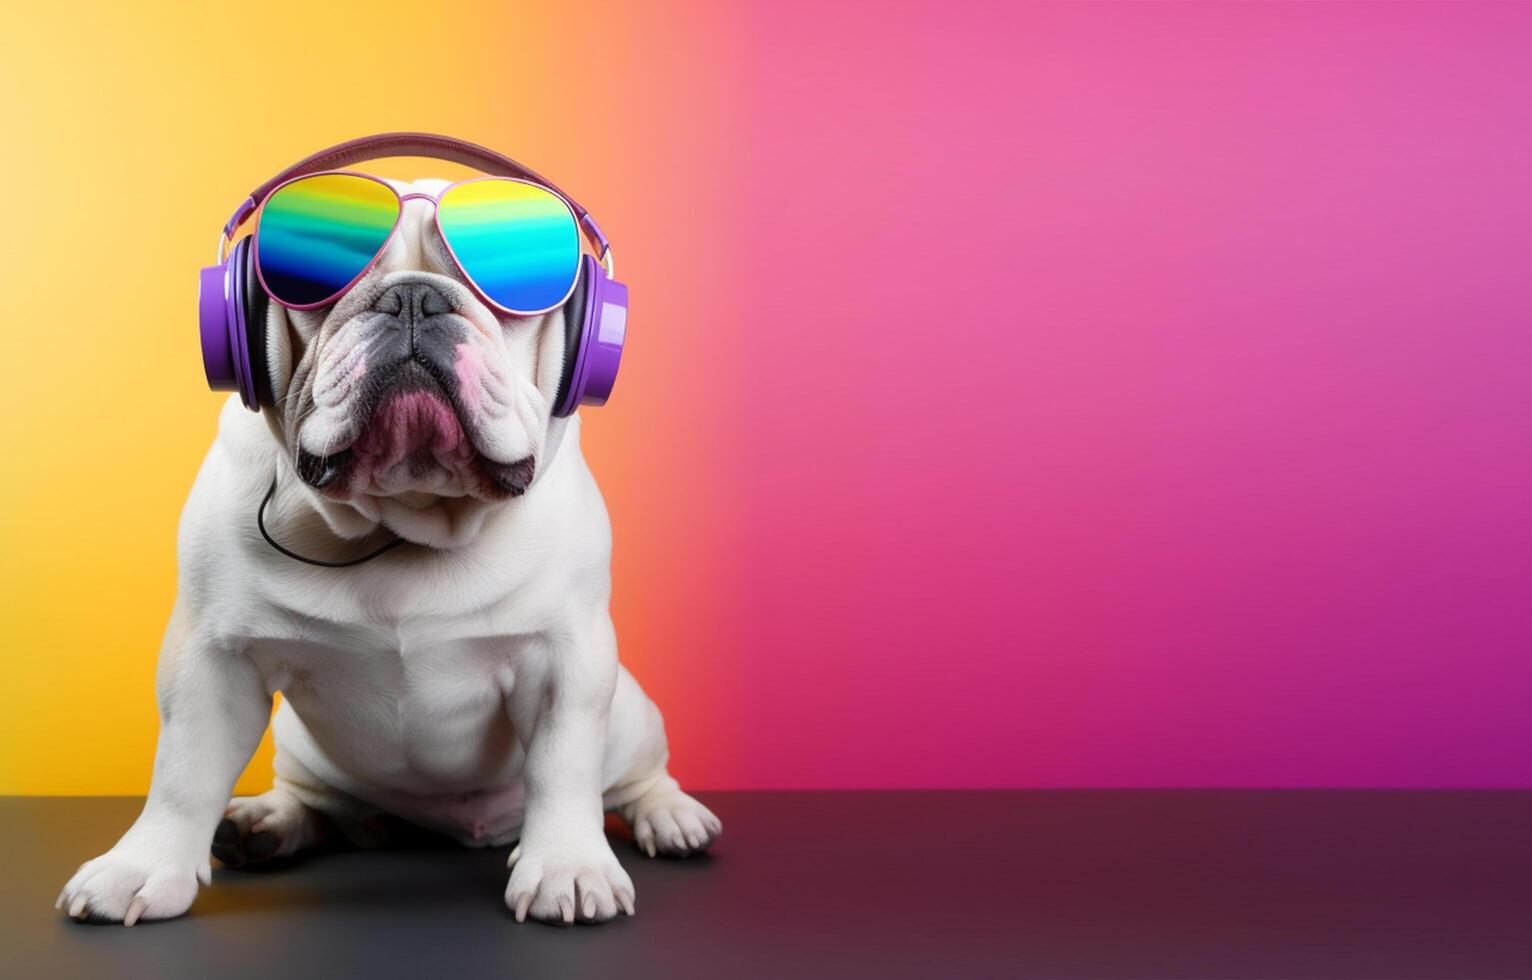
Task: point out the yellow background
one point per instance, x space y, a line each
132 130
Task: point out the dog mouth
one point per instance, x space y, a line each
414 434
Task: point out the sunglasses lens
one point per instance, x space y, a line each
317 234
517 242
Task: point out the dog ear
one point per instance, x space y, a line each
289 334
553 340
280 356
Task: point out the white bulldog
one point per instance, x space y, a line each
470 685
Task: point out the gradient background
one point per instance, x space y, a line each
1018 395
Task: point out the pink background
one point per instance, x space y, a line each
1100 395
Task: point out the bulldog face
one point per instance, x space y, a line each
408 388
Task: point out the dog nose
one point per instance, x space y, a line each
412 300
415 322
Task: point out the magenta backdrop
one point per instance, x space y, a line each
1116 395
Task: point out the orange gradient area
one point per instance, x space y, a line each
133 131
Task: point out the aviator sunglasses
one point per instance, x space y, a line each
516 242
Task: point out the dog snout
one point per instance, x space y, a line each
416 319
415 300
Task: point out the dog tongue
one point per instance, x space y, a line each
415 423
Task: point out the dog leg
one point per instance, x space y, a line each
213 709
564 866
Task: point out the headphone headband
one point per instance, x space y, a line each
417 145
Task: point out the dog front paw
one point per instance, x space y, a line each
557 883
667 821
129 883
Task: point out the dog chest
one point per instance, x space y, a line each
418 713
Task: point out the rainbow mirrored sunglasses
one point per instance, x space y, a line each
517 243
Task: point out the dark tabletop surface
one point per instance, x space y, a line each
1064 884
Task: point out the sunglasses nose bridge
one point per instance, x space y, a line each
432 199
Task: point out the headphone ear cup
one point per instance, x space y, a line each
595 325
222 313
213 327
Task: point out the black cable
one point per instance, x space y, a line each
260 521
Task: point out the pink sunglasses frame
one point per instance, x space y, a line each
435 199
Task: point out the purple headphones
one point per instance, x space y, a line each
232 306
